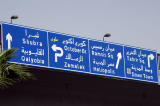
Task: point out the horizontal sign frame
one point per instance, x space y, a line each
89 54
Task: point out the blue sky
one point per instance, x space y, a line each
130 22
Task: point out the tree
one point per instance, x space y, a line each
11 73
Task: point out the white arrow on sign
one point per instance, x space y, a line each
150 57
55 48
119 57
9 38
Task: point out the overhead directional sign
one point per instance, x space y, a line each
68 52
30 44
106 59
140 64
42 48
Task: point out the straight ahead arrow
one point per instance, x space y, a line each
9 38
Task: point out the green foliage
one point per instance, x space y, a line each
11 73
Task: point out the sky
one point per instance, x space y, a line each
130 22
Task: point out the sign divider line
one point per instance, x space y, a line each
48 49
2 36
89 57
124 63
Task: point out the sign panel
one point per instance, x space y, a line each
68 52
140 64
54 50
31 44
106 59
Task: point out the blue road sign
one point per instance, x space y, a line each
31 44
106 59
140 64
68 52
60 51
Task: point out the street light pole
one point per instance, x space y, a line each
14 17
106 35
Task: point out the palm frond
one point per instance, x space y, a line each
19 72
11 73
6 82
6 55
